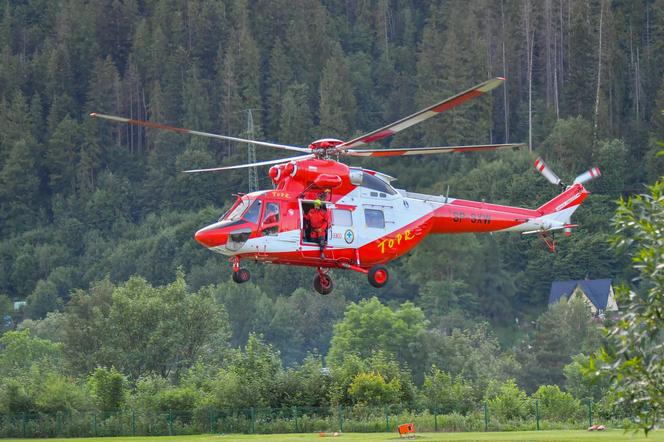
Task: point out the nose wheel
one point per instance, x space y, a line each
241 276
323 283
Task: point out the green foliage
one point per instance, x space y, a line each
506 400
379 364
635 354
109 388
60 393
371 389
141 329
6 309
473 354
562 331
370 326
582 384
557 405
44 299
20 353
448 394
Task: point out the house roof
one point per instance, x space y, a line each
597 290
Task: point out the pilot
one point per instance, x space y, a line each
271 215
318 223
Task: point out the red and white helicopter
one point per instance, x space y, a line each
371 222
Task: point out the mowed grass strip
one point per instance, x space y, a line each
567 435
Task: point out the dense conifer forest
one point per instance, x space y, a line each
97 220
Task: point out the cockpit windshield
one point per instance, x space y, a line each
246 209
236 212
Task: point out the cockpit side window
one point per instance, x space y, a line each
253 212
374 183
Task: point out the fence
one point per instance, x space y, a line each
280 420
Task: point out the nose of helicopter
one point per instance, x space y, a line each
211 236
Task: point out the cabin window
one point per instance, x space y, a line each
342 217
374 218
374 183
253 212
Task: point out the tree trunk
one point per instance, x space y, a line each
599 71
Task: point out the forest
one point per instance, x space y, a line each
97 219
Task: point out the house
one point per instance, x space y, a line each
597 293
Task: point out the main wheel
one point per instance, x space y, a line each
378 276
241 276
323 284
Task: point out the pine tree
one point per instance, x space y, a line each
279 79
295 122
62 156
337 100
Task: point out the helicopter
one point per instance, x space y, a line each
370 222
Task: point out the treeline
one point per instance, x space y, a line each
154 349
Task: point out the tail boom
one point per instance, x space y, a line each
462 216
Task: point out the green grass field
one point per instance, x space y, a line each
573 435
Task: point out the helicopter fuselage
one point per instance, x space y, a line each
370 222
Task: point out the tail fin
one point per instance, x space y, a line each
565 203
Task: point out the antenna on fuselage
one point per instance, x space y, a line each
447 194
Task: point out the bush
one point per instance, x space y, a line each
507 401
557 405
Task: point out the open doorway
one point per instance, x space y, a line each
315 222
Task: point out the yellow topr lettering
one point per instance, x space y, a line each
390 242
381 246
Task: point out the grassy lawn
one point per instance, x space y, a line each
574 435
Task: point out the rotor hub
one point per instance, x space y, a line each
325 147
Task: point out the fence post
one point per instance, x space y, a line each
210 420
133 423
486 417
537 416
253 420
94 423
387 421
25 423
295 416
435 418
341 418
58 423
170 422
590 412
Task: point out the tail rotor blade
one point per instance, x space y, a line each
588 176
542 168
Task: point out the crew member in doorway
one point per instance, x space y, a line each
318 223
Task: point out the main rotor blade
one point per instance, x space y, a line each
260 163
426 150
424 114
181 130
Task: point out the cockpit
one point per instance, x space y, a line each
249 216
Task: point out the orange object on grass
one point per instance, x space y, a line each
406 429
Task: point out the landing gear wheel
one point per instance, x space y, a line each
378 276
241 276
323 284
